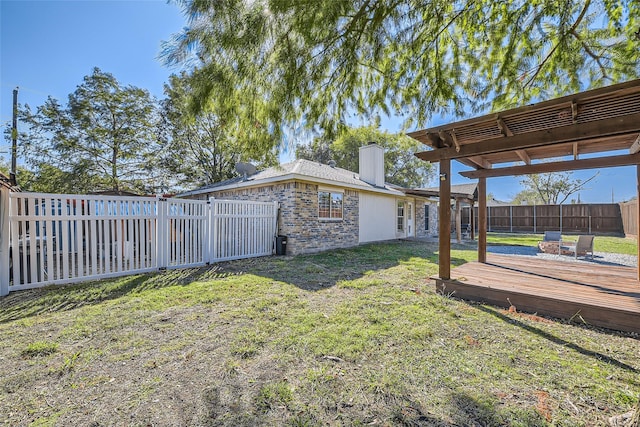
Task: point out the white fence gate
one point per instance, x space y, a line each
56 239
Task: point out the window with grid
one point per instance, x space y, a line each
400 216
329 205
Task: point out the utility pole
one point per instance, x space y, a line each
14 138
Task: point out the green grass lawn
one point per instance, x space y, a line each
342 338
619 245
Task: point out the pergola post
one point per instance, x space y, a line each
638 217
458 220
482 220
444 220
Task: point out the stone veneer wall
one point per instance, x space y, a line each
433 219
298 219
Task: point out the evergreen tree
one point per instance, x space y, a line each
104 138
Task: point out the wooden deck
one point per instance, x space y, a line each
606 296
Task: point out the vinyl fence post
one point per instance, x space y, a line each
4 241
211 235
276 210
162 232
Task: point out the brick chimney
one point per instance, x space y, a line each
372 164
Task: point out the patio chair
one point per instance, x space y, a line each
552 236
584 245
551 241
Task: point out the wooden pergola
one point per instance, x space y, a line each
604 121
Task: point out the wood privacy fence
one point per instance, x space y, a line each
574 218
629 213
57 239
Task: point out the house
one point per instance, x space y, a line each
325 207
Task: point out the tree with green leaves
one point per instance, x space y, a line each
551 188
104 138
272 65
401 166
197 149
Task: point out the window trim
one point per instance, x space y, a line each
401 228
331 194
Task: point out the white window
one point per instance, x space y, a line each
400 216
329 205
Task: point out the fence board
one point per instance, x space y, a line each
629 214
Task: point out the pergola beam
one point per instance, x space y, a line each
594 163
627 124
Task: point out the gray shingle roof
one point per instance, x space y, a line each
302 168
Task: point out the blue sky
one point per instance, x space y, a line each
47 47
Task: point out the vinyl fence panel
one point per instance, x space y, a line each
242 229
188 232
65 238
68 238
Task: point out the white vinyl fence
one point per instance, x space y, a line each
56 239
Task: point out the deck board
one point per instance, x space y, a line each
601 295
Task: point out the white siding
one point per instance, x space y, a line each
378 216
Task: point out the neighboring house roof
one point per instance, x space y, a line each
468 191
300 169
494 202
